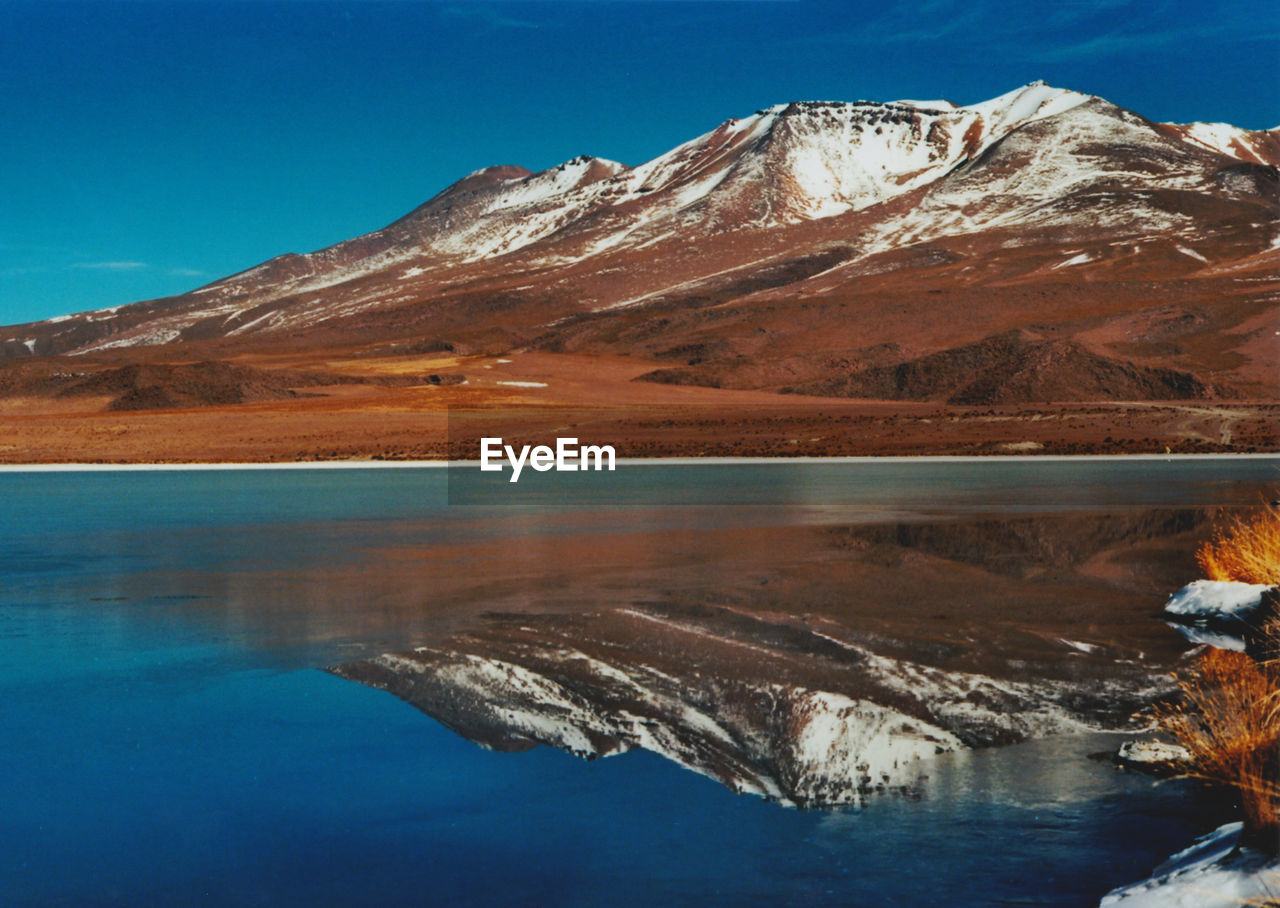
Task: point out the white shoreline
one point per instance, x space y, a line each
622 461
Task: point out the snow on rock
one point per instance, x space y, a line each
1212 873
1215 599
1222 614
841 740
1152 753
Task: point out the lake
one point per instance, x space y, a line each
175 732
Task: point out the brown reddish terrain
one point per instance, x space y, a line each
1041 273
312 406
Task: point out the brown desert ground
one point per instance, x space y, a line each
366 405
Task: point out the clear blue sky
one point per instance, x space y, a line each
149 147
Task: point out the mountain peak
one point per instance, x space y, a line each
1033 101
498 173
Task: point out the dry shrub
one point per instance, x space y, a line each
1246 549
1228 719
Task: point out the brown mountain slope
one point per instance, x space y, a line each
1011 368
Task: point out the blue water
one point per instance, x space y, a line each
167 738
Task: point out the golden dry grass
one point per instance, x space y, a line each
1228 719
1246 549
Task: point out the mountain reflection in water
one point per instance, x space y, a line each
815 664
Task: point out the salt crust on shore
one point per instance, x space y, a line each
1212 873
622 461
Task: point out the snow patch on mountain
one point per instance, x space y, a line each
1031 102
1232 141
1079 259
150 336
539 188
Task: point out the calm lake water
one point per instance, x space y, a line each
167 735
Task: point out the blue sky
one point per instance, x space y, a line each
149 147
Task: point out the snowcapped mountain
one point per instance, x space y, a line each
785 164
820 202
